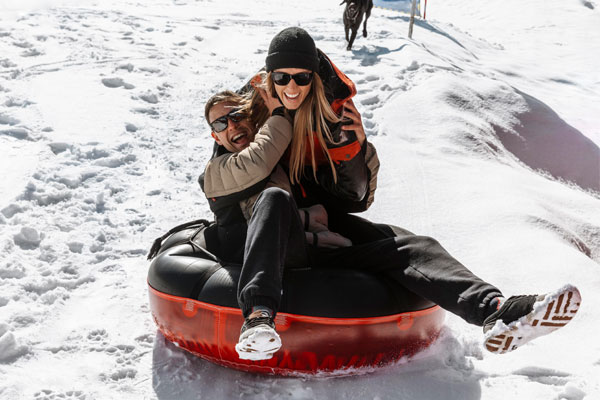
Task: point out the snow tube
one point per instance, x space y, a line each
330 321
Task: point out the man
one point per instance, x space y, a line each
243 182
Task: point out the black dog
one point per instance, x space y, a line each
353 16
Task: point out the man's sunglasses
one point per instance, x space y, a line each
220 124
301 79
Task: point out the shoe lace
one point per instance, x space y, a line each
263 319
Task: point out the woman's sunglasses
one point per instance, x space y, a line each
220 124
301 79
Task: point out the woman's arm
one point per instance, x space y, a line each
235 172
356 164
353 121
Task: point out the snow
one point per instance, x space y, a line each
486 123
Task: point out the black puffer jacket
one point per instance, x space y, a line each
356 166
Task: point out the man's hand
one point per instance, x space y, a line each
352 113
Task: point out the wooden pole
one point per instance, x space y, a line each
413 10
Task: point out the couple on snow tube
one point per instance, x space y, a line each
291 163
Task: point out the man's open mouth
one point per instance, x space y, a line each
238 137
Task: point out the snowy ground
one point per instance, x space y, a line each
102 137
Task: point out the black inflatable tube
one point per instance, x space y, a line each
185 268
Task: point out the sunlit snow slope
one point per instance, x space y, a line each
487 128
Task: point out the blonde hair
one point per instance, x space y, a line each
256 107
310 121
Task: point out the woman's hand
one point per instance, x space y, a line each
270 102
328 239
352 113
317 218
318 233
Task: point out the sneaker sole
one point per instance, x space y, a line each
550 313
258 343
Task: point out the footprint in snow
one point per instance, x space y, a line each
150 70
370 101
588 4
23 44
97 335
16 102
75 247
121 351
59 147
12 271
131 127
120 374
368 78
128 67
147 111
116 82
146 340
11 210
147 97
10 349
8 120
47 394
369 125
17 133
115 162
32 53
6 63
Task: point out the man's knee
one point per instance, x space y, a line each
274 194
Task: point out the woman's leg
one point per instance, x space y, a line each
423 266
360 230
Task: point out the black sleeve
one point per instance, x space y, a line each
352 173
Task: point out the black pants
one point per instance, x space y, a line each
276 238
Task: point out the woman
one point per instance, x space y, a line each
330 165
327 130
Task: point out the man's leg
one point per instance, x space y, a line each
275 232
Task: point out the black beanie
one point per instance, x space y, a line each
292 48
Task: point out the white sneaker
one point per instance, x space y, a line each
258 339
521 319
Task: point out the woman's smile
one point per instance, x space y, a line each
292 95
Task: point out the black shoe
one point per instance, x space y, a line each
258 339
521 319
511 310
